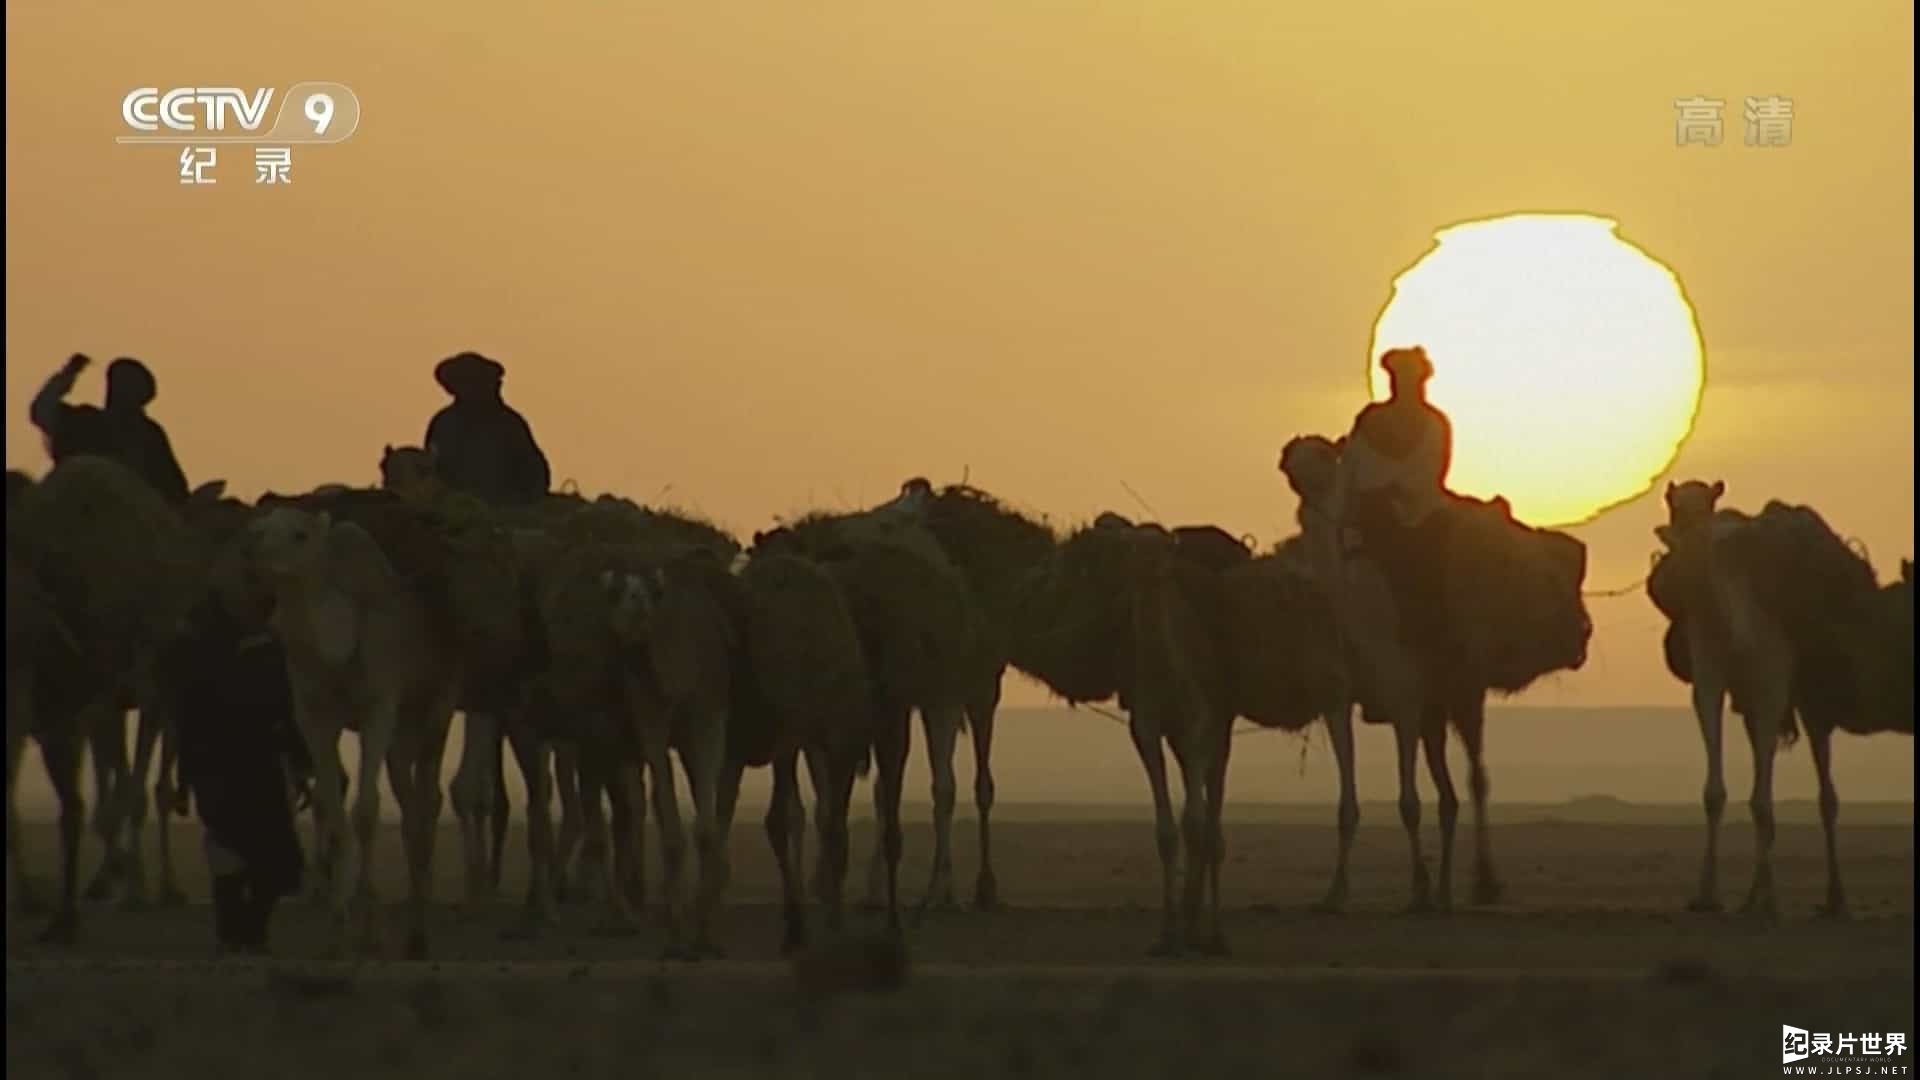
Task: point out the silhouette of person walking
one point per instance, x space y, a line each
1390 491
122 430
238 743
480 445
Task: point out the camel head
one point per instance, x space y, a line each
1308 462
410 472
632 598
288 542
1690 505
236 584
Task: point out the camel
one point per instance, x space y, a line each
49 690
496 709
1119 614
806 685
478 791
679 622
101 571
1189 630
211 519
636 661
1697 644
921 634
362 654
1777 614
996 549
1542 628
120 806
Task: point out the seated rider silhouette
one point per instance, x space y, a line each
481 446
1390 496
122 430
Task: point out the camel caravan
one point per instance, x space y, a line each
598 639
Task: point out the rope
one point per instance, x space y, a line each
1603 594
1102 711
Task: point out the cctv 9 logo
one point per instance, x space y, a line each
311 112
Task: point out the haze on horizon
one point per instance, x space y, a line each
754 264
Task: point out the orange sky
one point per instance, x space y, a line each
760 259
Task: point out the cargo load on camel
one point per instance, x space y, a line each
1266 618
1851 638
463 565
1073 629
920 631
1801 573
1513 599
1288 662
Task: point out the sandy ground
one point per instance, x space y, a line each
1589 968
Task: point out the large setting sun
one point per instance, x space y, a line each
1567 359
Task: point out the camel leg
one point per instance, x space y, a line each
106 738
1820 737
377 734
630 779
60 753
786 782
892 743
321 732
822 775
1216 790
1406 737
1146 740
501 812
566 780
403 759
328 858
473 790
1709 708
1433 734
833 806
132 797
532 755
428 802
22 896
797 828
673 840
617 872
877 866
594 866
721 779
168 801
943 732
1770 717
1470 717
986 890
1339 723
1196 766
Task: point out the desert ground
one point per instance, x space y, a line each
1589 967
